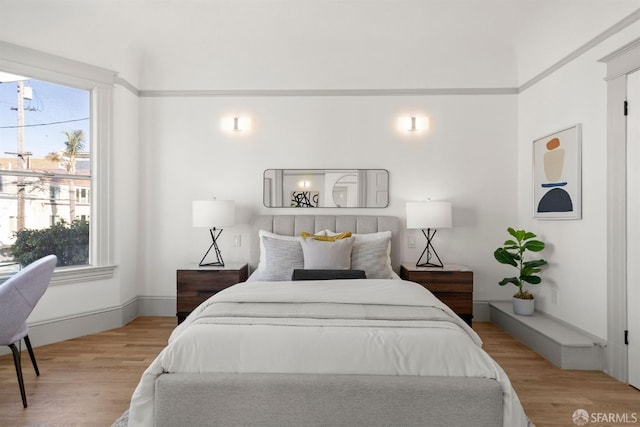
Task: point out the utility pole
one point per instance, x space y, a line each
21 156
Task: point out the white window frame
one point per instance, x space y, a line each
99 81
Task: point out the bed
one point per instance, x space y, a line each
273 351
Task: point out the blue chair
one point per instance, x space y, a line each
18 296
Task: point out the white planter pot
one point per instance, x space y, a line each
523 307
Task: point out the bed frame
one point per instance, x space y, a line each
326 400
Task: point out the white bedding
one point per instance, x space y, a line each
370 327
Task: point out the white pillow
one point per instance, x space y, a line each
372 253
319 255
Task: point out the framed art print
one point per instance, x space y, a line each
557 175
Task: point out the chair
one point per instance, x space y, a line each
18 296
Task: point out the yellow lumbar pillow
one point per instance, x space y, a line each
327 238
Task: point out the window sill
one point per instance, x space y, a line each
69 275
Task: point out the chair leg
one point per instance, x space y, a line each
27 341
16 361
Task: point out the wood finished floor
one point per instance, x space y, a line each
88 381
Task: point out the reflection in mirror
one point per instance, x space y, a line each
345 190
326 188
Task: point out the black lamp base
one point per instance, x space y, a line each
430 252
219 262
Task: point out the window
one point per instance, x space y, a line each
82 196
40 190
44 132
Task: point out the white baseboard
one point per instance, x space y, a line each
156 306
481 311
66 328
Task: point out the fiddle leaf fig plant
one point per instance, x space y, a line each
513 253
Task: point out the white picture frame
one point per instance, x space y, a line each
557 174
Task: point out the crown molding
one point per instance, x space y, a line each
325 92
117 80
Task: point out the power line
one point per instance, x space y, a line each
44 124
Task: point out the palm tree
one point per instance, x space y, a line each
67 157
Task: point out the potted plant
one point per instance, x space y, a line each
513 253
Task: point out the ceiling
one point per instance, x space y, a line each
487 42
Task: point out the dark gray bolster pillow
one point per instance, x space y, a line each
300 274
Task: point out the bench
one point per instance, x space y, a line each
562 344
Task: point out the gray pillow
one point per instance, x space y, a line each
327 255
372 256
281 258
264 233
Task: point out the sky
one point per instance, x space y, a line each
50 104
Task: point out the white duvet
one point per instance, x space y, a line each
370 327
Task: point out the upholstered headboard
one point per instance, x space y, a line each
293 225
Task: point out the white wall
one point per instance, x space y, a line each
126 192
464 157
575 288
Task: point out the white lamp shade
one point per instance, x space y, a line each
429 215
214 213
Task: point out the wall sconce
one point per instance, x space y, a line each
413 123
304 184
236 124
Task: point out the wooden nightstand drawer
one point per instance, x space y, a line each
446 281
460 303
209 280
195 285
452 285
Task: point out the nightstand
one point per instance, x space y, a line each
195 284
451 284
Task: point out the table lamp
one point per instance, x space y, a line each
430 215
213 214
